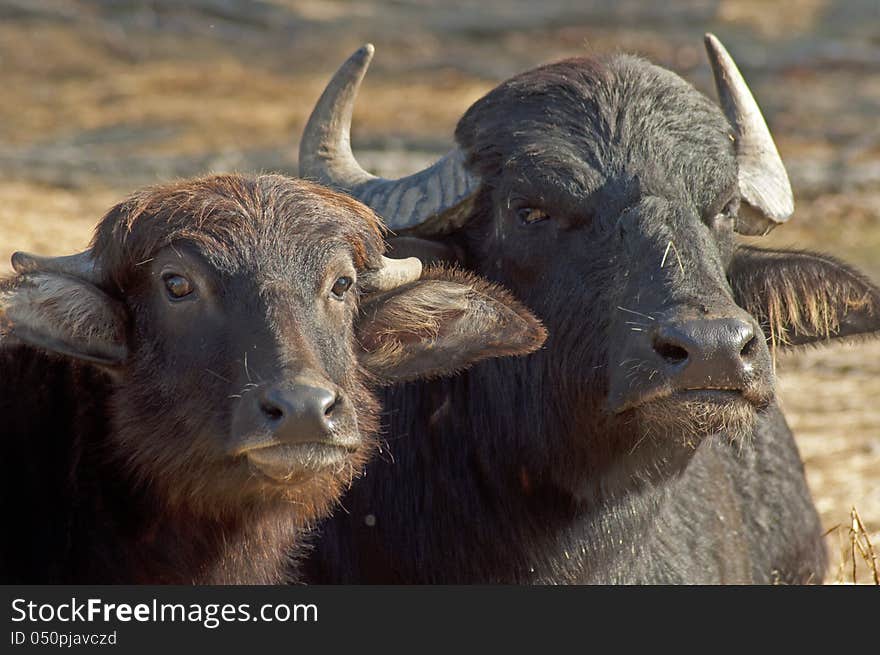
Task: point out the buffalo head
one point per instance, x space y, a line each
242 322
607 193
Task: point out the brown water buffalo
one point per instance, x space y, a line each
180 401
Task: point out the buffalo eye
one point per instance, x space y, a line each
341 285
177 286
530 215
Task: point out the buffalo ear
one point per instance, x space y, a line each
441 324
63 315
802 297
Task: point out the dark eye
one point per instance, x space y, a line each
341 285
177 286
529 215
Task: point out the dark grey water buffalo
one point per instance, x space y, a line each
644 443
180 401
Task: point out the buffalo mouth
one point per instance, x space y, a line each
290 462
712 395
720 395
694 413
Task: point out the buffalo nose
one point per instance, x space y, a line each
707 354
299 413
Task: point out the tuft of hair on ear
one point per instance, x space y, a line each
800 297
13 303
5 322
409 315
61 314
482 287
441 324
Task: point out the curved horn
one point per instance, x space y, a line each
325 147
325 155
81 265
394 273
763 182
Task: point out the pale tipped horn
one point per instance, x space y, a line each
394 273
325 147
409 202
763 181
81 265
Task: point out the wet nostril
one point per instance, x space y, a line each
273 412
749 348
670 352
331 405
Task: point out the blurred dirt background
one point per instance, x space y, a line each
99 97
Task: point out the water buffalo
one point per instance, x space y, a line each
644 443
180 401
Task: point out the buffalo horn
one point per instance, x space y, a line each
81 265
763 182
406 203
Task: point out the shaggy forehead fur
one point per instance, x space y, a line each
576 125
235 221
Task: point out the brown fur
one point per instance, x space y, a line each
202 518
34 300
163 471
468 317
216 213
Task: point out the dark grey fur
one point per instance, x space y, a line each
521 471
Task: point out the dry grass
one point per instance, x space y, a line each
829 397
208 98
857 561
47 220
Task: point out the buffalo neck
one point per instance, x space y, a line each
523 423
510 470
77 513
495 427
147 542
